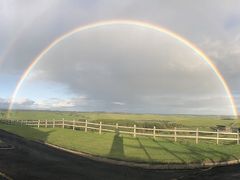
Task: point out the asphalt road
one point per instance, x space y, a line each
32 160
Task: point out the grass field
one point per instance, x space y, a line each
141 120
128 148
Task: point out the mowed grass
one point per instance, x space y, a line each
141 120
128 148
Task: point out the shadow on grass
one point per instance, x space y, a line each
117 149
144 149
173 153
199 154
207 154
223 156
27 132
159 146
184 152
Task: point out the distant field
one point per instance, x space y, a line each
124 147
142 120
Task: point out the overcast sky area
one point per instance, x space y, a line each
120 68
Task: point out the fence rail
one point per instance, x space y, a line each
132 130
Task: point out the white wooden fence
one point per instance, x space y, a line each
132 130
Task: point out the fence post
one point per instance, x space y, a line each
175 134
86 126
45 123
154 132
100 127
134 130
38 123
53 123
197 136
73 124
63 123
217 136
238 136
21 122
117 131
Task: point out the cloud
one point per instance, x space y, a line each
119 103
226 55
48 20
57 103
137 66
43 104
20 103
167 105
3 103
27 28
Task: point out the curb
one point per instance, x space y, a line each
5 176
145 165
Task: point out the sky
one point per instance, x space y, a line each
120 68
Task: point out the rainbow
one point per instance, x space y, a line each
126 22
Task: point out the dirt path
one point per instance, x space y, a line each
31 160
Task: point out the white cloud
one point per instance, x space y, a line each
118 103
19 103
62 104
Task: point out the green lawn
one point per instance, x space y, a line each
140 149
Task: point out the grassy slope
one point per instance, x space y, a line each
129 148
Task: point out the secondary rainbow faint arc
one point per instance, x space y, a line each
126 22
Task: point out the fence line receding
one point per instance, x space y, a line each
131 130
